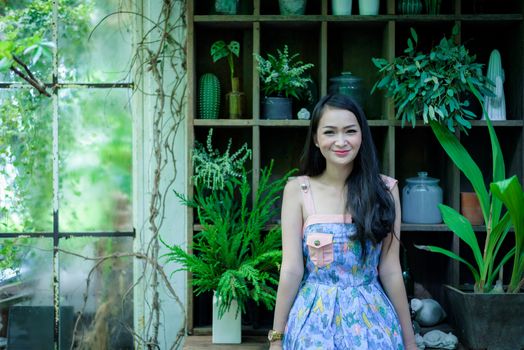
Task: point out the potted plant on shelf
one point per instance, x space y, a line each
435 85
431 86
282 77
232 255
485 318
235 98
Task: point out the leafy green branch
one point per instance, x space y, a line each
433 85
232 255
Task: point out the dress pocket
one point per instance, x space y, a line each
320 247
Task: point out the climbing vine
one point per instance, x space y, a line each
161 55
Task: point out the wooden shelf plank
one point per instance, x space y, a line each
204 342
248 19
423 227
435 228
272 122
224 122
474 123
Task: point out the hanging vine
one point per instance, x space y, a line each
159 54
157 59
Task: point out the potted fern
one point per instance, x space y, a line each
233 255
282 76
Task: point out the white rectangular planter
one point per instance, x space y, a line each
228 329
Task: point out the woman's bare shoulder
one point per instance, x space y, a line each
293 185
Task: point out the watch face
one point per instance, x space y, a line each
274 335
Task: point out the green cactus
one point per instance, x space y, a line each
209 96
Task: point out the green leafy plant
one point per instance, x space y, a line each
213 168
282 74
220 49
232 255
433 85
486 265
24 50
433 6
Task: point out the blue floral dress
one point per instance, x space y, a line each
340 303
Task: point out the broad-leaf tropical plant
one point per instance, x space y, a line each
232 255
433 85
486 265
220 49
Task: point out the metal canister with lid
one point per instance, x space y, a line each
420 199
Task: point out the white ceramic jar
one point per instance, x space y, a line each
420 199
368 7
341 7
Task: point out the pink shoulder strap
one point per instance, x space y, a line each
389 181
305 186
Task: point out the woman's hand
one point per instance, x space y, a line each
412 346
277 345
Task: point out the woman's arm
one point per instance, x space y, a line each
292 268
390 274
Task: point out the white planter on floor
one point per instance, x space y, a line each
228 329
368 7
341 7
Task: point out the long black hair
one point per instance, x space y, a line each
369 201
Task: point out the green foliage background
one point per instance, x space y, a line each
95 136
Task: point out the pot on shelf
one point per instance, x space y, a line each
277 108
226 7
292 7
409 7
368 7
470 208
420 199
486 320
341 7
235 100
228 329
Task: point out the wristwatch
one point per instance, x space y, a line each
274 335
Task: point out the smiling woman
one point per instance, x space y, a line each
342 218
338 134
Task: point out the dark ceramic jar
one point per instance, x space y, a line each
409 7
347 84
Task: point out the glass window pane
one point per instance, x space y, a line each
107 312
26 187
95 146
27 24
26 293
101 50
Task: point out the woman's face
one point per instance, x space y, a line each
338 136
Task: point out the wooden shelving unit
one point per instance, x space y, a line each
347 43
